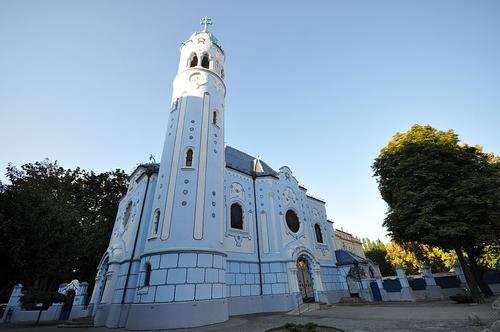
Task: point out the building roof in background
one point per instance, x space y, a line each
244 163
345 257
235 159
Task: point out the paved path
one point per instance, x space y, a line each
428 316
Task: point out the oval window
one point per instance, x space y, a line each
292 221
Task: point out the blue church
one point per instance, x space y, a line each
211 231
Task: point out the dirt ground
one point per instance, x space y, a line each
421 316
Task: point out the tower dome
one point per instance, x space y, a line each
202 50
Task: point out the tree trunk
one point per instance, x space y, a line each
478 272
471 281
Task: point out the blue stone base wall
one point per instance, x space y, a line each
333 280
157 316
333 296
243 305
179 277
242 278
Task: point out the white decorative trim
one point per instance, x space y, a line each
167 219
236 191
265 235
273 219
202 165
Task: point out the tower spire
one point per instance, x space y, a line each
206 21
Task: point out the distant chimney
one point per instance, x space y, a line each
257 166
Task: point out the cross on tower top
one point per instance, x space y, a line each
206 21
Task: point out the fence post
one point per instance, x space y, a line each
383 292
13 304
460 274
434 292
81 295
406 292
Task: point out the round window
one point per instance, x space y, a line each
292 221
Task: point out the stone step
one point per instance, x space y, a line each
352 300
82 322
79 326
305 307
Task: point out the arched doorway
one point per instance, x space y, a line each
305 281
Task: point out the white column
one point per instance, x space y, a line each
293 279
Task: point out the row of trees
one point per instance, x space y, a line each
55 223
411 257
442 193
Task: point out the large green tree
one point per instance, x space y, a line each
440 192
377 252
55 223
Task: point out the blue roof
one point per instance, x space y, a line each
345 257
243 162
235 159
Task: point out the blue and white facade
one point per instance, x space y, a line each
211 231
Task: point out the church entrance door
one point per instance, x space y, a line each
305 281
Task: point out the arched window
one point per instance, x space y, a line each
204 61
126 215
236 216
214 118
189 158
147 275
292 221
319 236
370 270
194 61
156 223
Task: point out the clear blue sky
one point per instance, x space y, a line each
318 86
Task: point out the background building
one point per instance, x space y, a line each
349 242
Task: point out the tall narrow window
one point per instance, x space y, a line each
222 73
189 158
214 118
126 215
147 275
156 223
204 61
194 61
319 235
236 216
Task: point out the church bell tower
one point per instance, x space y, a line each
184 254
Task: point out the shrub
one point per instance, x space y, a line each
32 297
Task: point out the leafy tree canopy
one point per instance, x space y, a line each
440 192
376 251
55 223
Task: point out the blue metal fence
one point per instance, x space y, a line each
417 283
448 281
492 277
392 285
